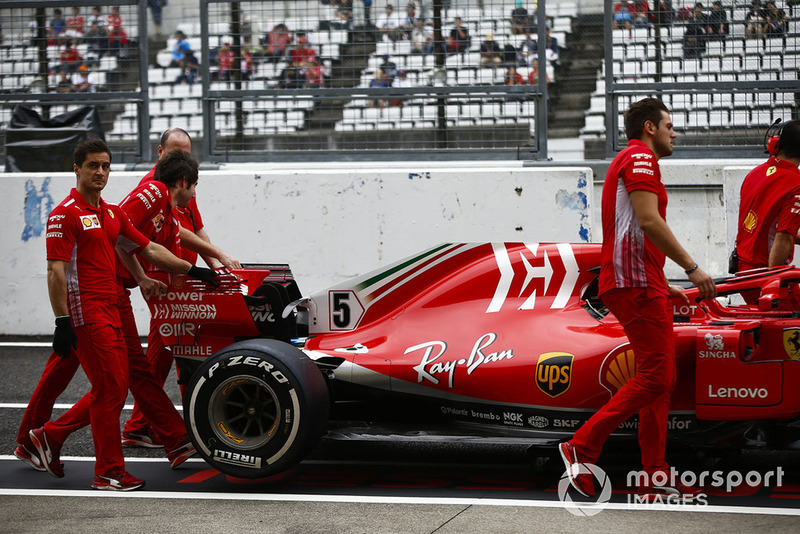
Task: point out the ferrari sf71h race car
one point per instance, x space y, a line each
483 341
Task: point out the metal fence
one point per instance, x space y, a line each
428 79
726 73
59 55
335 80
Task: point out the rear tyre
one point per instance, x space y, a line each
256 408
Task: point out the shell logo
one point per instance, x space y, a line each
750 221
617 368
178 281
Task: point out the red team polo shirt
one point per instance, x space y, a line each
85 237
770 203
149 207
189 218
629 258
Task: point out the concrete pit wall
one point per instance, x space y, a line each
332 222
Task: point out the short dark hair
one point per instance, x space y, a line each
89 146
638 113
170 132
789 144
175 165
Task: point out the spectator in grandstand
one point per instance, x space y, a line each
302 52
389 24
640 14
755 22
409 20
291 77
389 69
513 77
379 80
421 38
64 85
367 12
81 82
694 36
520 20
278 40
96 39
314 74
70 57
56 28
460 39
117 40
665 14
179 49
491 53
155 10
224 62
114 19
75 25
777 23
189 68
622 15
342 17
533 75
529 49
718 27
96 18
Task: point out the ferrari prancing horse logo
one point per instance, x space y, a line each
791 342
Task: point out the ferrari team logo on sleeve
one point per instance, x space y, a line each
90 221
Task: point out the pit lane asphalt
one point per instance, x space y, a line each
347 487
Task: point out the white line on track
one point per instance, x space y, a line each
373 499
61 406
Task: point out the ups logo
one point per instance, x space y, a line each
554 373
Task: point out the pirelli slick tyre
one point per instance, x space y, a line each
256 408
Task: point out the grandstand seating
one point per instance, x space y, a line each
290 115
739 59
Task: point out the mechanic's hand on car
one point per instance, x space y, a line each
208 276
64 338
677 291
703 282
152 287
229 261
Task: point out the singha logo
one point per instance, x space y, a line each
714 342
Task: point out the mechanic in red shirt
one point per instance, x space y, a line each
636 240
137 431
83 231
769 210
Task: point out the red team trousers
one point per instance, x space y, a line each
646 316
160 359
102 355
98 353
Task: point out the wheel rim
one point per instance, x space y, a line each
244 412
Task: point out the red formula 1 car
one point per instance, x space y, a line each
480 341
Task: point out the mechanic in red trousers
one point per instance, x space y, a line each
81 259
59 371
636 240
137 431
769 209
